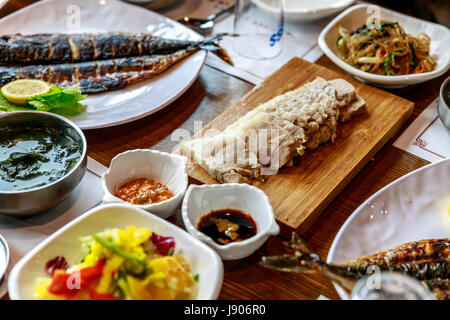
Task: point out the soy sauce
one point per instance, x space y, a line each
227 225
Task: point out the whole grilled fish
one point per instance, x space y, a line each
61 48
110 74
427 260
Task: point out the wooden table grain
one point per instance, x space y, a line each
210 95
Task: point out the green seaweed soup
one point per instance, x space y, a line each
32 157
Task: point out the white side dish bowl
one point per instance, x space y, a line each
307 10
65 242
4 256
201 200
411 208
154 4
167 168
356 16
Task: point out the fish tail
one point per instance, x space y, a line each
211 44
304 260
288 263
300 246
307 261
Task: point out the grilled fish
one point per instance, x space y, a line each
427 260
63 48
103 75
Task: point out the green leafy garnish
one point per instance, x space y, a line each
5 105
386 64
414 57
109 245
170 252
65 102
196 277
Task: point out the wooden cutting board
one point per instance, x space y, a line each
300 193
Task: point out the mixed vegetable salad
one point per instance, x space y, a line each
129 264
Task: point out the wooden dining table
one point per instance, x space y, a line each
209 96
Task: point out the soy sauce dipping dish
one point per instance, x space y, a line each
169 169
201 200
34 200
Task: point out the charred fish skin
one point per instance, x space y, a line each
64 48
96 76
439 287
437 249
7 74
426 259
103 75
21 50
131 71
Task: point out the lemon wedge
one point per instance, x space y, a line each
20 90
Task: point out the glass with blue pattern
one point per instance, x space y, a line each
260 25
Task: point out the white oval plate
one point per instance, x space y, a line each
354 17
411 208
135 101
65 242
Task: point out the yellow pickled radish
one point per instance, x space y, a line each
19 91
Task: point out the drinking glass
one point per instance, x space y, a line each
260 25
390 286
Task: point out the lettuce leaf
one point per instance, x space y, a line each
65 102
5 105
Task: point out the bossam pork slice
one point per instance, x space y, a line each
271 135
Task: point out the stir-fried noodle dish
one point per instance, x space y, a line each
385 49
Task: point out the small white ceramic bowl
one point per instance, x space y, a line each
153 4
65 242
169 169
356 16
4 256
307 10
201 200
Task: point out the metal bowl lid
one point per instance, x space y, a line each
4 256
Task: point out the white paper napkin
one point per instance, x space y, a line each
299 41
426 137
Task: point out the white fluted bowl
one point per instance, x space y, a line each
201 200
167 168
354 17
201 258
